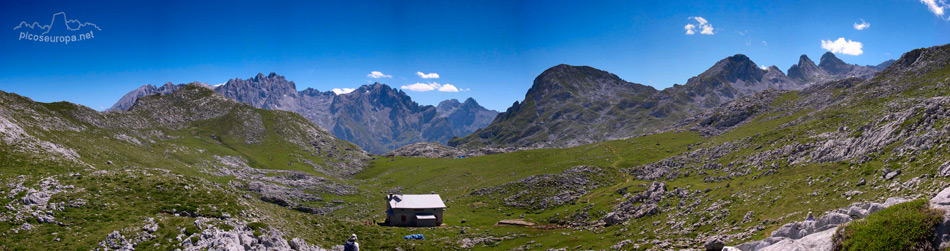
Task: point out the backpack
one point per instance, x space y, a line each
349 246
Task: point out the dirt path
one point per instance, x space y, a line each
614 187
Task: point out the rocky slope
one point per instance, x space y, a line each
377 118
571 105
836 122
128 99
154 162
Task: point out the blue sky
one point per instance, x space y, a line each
489 50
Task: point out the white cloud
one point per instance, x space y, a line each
764 67
843 46
430 75
703 26
424 87
339 91
935 6
448 88
765 43
690 29
377 74
701 20
862 25
421 87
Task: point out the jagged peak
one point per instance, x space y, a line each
273 78
731 65
314 92
272 75
450 102
833 65
804 60
828 58
376 86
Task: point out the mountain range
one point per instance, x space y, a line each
375 117
574 105
566 105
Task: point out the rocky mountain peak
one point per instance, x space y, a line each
833 65
128 99
552 75
563 83
469 102
449 103
190 97
382 95
375 87
260 91
273 75
736 67
807 72
805 62
314 92
803 59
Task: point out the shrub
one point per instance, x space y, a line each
905 226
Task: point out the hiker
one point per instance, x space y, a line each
811 217
351 244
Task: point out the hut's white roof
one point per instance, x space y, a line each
416 201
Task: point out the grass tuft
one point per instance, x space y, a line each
906 226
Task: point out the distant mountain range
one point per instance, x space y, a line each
574 105
375 117
566 106
830 68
